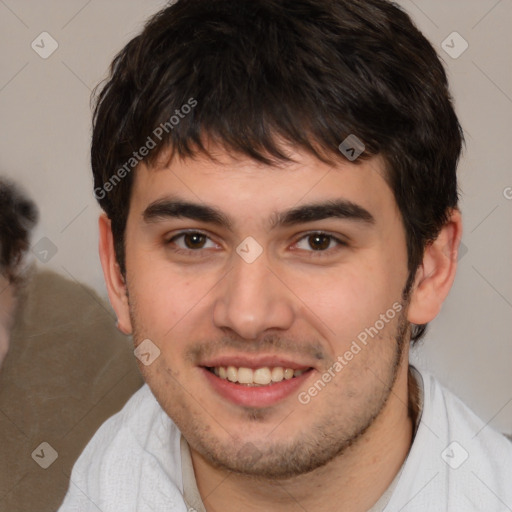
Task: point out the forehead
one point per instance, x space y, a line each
247 189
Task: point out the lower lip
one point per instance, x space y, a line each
255 396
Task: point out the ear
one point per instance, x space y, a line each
114 280
434 277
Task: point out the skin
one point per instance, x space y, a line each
8 303
346 445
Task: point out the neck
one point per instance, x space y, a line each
354 480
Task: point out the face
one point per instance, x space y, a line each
274 295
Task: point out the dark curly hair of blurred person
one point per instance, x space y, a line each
18 215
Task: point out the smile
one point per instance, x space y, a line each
257 376
256 387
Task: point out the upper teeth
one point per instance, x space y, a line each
260 376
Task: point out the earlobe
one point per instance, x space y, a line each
435 276
114 280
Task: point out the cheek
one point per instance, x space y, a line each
346 302
165 301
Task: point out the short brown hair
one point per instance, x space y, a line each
307 72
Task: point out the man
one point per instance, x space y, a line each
278 180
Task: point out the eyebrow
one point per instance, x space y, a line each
165 208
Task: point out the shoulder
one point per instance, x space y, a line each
457 461
456 420
139 444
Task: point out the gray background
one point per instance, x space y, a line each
45 135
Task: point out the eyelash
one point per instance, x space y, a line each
200 253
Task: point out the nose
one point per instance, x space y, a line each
252 299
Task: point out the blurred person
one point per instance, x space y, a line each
18 215
65 366
280 223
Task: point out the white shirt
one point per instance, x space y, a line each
456 463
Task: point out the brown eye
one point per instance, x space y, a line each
194 240
191 241
319 242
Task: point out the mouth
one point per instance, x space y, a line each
263 376
259 386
